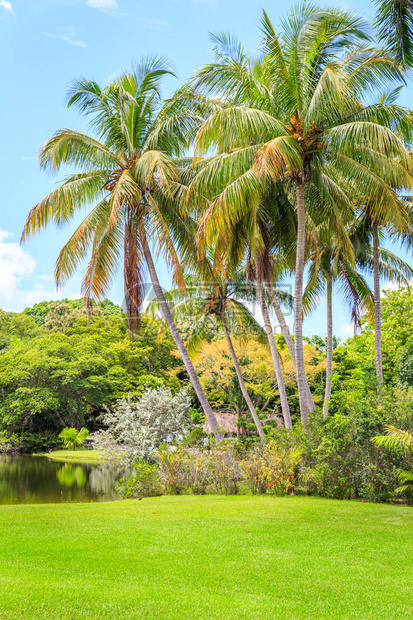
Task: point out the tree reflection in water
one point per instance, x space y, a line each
28 479
69 475
102 476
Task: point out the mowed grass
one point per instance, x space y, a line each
76 456
207 557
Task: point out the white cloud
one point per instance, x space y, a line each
68 37
15 266
155 24
7 6
103 5
17 271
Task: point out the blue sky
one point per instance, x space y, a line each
44 44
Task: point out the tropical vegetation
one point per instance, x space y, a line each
289 165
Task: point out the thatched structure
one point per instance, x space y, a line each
227 421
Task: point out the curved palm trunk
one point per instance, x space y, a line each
287 337
275 357
377 303
298 303
329 359
131 280
241 381
209 414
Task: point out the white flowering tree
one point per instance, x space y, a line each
138 428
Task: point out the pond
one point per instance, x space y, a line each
38 480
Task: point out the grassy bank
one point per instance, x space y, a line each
75 456
206 557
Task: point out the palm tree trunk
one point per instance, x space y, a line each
298 303
274 354
209 414
241 381
329 359
131 280
377 303
287 337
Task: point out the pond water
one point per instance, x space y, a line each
38 480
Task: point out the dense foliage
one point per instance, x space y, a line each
63 375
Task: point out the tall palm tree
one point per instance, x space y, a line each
215 294
297 114
128 174
379 262
253 237
329 265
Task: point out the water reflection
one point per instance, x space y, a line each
69 475
28 479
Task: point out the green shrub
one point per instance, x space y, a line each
27 443
197 471
171 469
252 467
144 483
225 470
196 437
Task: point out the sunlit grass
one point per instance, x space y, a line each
206 557
76 456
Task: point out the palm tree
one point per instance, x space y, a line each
396 222
297 114
330 264
127 172
215 294
394 23
255 236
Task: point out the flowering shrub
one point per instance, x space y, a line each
281 468
253 470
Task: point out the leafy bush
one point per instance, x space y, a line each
140 428
273 468
253 471
281 468
28 442
225 470
144 483
195 438
198 473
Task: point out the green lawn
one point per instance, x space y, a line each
207 557
75 456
